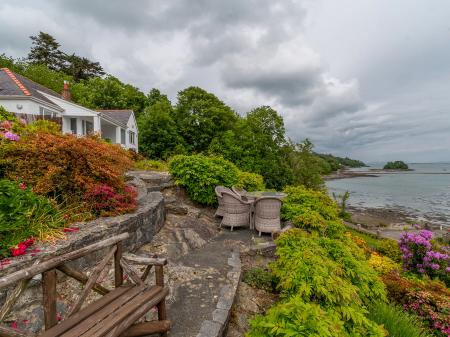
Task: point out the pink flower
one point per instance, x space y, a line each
7 125
22 186
11 136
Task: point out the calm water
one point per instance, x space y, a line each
424 192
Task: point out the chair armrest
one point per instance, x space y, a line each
143 260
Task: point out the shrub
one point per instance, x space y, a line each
64 165
430 300
200 175
297 318
396 321
151 165
25 215
106 201
312 210
390 249
260 278
251 181
382 264
419 256
327 274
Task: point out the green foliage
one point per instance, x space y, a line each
200 117
200 175
256 144
108 93
297 318
151 165
250 182
341 200
24 215
397 322
260 278
45 51
306 166
42 126
158 133
323 277
396 165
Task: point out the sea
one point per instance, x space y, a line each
423 192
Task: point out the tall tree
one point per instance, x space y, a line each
45 50
80 68
158 134
200 117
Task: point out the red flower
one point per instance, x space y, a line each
28 242
20 249
14 325
22 186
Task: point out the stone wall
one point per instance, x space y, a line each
142 225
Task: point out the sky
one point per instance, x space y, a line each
368 79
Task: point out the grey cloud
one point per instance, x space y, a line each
352 85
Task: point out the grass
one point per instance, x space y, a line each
151 165
397 322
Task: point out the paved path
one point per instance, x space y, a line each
202 265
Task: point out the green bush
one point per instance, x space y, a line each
260 278
324 278
251 181
25 215
390 249
297 318
397 322
200 175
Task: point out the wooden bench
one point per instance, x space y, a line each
115 314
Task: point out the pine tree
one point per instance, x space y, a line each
45 50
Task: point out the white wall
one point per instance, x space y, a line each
132 126
28 106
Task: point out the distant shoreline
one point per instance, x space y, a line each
349 173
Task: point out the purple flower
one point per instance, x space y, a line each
11 136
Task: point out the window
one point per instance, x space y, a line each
73 126
131 137
45 113
122 136
89 128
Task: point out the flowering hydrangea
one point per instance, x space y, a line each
11 136
419 256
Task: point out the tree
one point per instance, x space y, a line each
158 134
80 68
306 166
396 165
200 117
108 93
45 50
256 144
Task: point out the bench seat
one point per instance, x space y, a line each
114 314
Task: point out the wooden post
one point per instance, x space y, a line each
49 297
159 278
118 272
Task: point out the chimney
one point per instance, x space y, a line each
66 91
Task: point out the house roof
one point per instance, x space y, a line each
121 116
12 84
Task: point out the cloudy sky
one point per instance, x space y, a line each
364 78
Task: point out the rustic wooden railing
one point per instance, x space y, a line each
115 314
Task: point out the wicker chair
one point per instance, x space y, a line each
242 193
267 215
219 190
237 212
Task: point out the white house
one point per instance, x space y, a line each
31 101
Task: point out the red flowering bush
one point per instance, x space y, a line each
64 165
107 201
430 300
